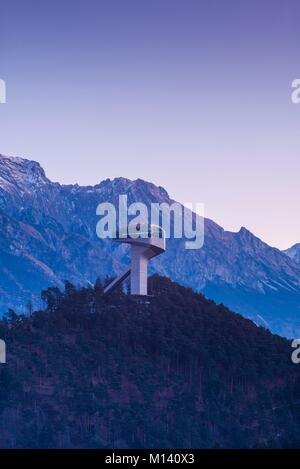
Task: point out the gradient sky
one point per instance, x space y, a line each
191 95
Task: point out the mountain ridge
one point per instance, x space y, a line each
294 252
49 231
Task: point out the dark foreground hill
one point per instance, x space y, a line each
176 371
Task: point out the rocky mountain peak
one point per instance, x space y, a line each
21 172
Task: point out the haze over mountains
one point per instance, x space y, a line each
48 235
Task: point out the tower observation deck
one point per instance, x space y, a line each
146 243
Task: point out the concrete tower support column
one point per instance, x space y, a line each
139 270
143 248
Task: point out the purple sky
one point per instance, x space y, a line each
191 95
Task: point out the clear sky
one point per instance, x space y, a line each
191 95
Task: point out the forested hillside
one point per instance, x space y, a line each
175 370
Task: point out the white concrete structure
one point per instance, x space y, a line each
149 243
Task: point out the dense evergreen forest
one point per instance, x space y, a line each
172 371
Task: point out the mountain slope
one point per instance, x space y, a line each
48 235
175 372
294 252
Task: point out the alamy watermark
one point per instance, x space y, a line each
296 353
2 351
176 220
2 92
295 96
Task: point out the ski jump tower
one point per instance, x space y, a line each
149 243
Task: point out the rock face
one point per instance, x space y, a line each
294 252
48 235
